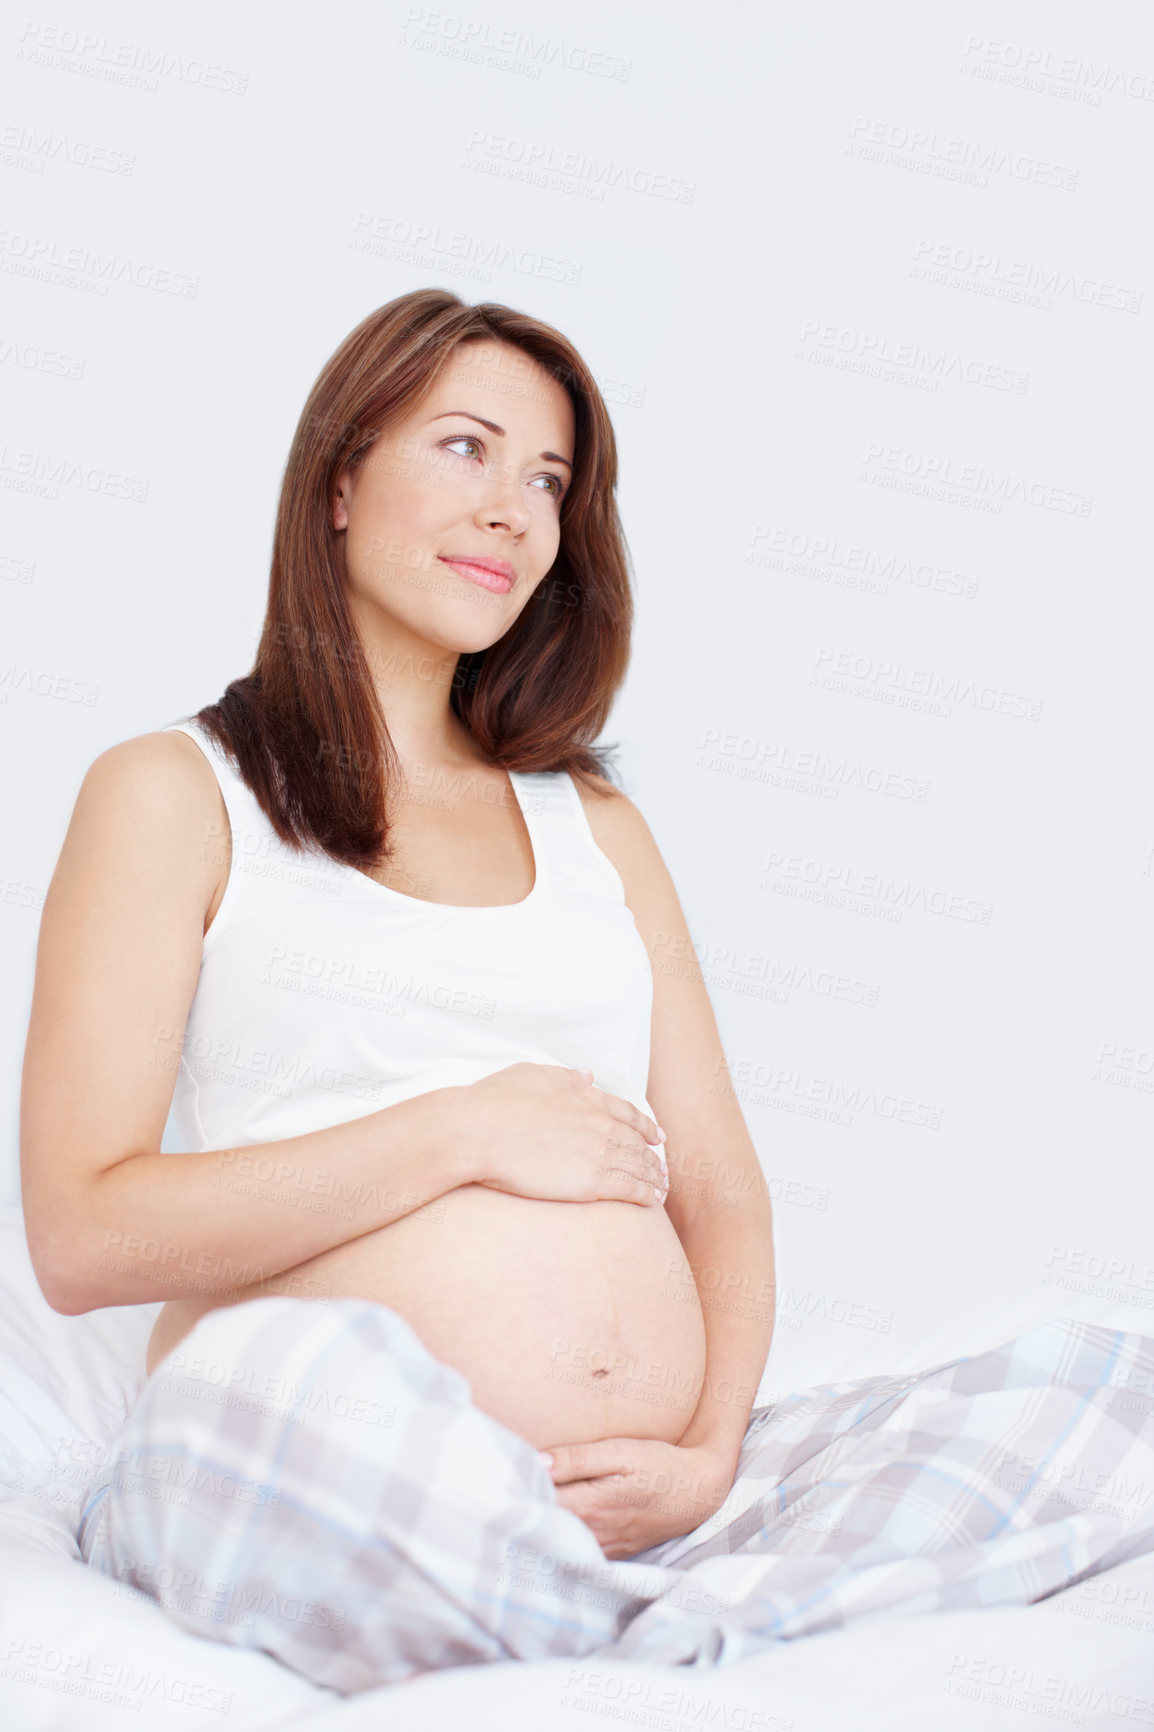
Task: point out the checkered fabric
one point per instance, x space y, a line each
307 1479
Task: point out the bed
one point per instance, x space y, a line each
81 1650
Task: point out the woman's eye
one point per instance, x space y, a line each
555 487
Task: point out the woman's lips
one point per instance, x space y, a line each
488 577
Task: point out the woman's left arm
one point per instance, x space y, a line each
720 1207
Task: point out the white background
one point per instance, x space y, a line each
883 219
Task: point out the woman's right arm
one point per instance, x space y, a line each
110 1220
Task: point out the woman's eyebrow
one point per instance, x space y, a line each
551 456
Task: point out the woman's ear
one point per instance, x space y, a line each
339 511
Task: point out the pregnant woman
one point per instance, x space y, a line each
465 1253
451 1142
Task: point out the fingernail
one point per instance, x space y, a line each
660 1135
660 1195
545 1457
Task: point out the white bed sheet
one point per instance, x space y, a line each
78 1650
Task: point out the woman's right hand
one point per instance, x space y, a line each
544 1131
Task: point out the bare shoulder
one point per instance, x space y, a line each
154 799
161 755
160 772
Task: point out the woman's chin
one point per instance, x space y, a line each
461 626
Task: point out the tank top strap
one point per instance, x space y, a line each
265 874
577 865
245 813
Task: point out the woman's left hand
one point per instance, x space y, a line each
636 1492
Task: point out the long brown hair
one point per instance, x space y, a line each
305 727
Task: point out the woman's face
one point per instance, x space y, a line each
454 516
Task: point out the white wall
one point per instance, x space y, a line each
880 373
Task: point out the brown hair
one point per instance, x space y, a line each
305 727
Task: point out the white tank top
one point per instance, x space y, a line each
324 996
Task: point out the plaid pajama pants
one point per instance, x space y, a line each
307 1479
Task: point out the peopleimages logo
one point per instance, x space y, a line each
988 56
511 50
38 148
467 255
922 148
781 1081
135 63
852 564
1049 1695
877 355
883 680
995 274
497 152
81 267
996 487
846 886
778 762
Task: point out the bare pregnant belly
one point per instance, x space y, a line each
571 1321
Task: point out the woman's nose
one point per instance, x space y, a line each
503 505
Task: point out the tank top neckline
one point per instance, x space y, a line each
540 872
539 851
